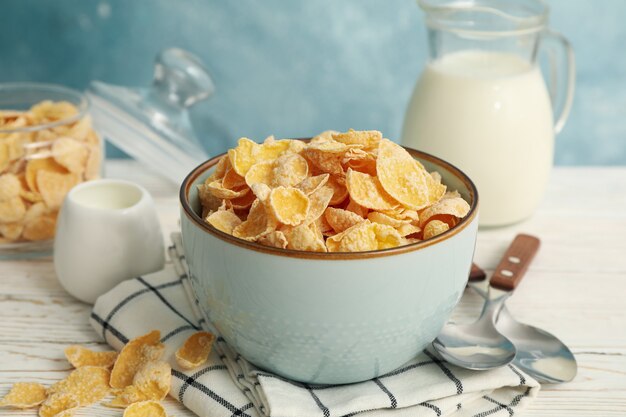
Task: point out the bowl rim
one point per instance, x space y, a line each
199 222
80 100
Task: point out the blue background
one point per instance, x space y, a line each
293 68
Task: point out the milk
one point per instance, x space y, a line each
488 113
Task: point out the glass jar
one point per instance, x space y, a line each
47 146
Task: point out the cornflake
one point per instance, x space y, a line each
195 351
83 386
24 395
133 356
339 192
434 228
91 381
79 356
289 206
145 409
340 219
151 382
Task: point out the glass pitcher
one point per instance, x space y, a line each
482 104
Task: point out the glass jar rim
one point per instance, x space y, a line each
525 16
74 96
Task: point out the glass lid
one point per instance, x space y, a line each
152 124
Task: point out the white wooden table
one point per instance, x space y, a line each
576 288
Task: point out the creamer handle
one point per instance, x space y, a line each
562 75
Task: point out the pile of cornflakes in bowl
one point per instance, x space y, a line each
340 192
44 152
137 378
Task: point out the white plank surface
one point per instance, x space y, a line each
575 288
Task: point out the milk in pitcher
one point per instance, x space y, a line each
488 113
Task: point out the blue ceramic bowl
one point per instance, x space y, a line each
328 317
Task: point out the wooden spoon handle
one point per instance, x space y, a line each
514 263
476 273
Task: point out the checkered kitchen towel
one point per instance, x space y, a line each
228 385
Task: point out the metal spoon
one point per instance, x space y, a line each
540 354
480 345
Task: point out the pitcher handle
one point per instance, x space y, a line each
562 76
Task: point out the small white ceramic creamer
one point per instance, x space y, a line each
107 232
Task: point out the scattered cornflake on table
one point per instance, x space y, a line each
24 395
66 413
133 356
195 351
79 356
56 404
151 382
145 409
83 386
91 381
